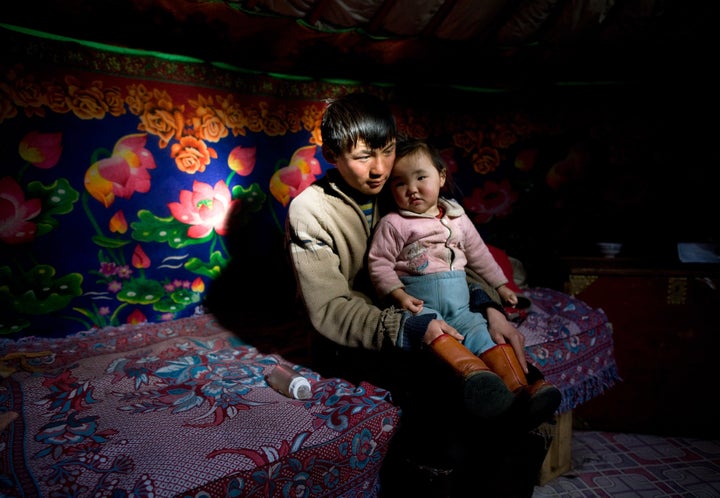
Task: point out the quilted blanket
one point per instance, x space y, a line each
571 343
180 408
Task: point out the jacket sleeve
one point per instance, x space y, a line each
326 243
382 256
479 258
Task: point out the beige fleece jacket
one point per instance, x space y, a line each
327 237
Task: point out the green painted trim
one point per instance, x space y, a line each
285 76
229 67
590 83
476 89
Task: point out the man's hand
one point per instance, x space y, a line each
504 332
436 328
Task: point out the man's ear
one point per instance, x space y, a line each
328 155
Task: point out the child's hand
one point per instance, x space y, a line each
412 304
406 301
508 295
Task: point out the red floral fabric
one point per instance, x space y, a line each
180 409
571 343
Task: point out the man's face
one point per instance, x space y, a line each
366 169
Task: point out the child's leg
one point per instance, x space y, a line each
542 398
485 393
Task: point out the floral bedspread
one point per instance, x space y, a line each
182 409
571 343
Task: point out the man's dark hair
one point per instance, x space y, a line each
353 117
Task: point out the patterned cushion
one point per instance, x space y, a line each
571 343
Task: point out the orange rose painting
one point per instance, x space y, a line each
192 155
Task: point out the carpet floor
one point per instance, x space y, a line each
617 465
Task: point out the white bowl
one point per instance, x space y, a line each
609 249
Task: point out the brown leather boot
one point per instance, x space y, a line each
543 398
485 393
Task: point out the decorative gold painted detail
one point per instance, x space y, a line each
677 290
579 283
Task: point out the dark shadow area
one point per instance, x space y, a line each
254 295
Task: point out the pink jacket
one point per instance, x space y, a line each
407 243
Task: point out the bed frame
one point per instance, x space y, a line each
182 408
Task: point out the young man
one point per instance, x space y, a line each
327 231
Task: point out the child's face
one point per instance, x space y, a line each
415 184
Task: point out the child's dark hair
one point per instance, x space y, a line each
407 146
356 116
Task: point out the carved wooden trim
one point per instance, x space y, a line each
579 283
677 290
